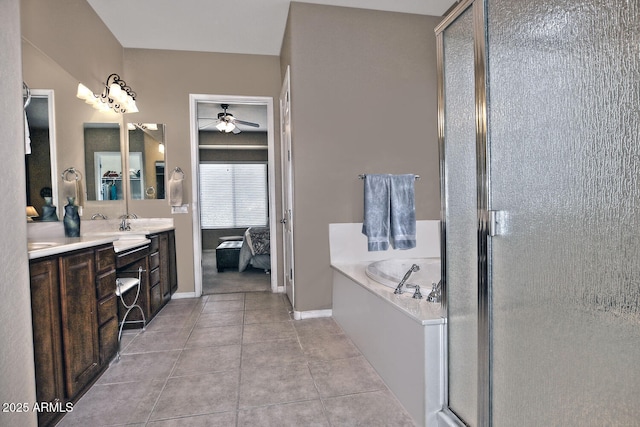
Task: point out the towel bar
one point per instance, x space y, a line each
364 175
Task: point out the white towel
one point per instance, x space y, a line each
175 188
27 135
70 189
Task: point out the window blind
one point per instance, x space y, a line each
233 195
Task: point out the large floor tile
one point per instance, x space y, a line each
208 337
224 318
259 332
197 395
345 376
224 305
227 297
268 315
271 354
207 359
222 419
157 341
114 404
374 409
278 384
318 327
328 347
141 367
307 414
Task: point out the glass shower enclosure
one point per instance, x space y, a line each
540 141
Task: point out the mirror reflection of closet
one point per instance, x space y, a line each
103 161
146 161
40 159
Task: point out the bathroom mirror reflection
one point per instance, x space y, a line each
40 149
146 161
103 162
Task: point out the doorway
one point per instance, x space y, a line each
234 214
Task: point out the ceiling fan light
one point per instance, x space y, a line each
230 127
221 126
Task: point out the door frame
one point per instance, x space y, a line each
195 182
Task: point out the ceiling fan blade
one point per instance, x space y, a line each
242 122
213 122
236 130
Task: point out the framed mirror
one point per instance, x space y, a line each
103 162
40 149
146 161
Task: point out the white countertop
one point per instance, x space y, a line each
421 310
48 246
47 239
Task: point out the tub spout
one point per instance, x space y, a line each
413 269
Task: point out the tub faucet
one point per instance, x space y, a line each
413 269
436 292
98 215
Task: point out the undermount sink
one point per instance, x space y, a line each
32 246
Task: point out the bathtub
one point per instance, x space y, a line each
389 272
401 337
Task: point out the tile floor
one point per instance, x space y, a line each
238 360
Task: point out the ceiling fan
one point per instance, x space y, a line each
227 123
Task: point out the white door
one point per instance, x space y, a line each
287 187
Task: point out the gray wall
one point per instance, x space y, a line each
363 99
17 377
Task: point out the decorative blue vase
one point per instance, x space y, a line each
48 211
71 219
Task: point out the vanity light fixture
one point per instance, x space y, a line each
116 96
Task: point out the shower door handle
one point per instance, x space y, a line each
497 223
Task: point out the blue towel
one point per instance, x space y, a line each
402 211
376 212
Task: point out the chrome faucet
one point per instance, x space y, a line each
413 269
436 292
124 224
98 215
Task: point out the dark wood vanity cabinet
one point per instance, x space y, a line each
162 269
173 267
79 320
107 303
47 339
74 323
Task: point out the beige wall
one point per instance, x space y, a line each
17 377
72 35
163 81
363 100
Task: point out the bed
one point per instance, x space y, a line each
256 249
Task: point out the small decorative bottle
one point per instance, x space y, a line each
48 210
71 219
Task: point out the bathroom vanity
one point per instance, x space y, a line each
75 311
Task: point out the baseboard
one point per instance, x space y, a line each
312 314
181 295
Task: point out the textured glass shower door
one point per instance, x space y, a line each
460 213
564 135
